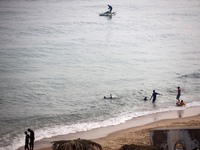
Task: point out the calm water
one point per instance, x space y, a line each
59 58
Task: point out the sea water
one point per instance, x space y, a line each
59 58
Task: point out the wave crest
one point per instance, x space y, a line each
192 75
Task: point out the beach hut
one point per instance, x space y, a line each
176 138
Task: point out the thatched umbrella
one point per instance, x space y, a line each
137 147
78 144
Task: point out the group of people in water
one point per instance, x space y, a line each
178 103
29 140
154 95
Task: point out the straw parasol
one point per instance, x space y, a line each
77 144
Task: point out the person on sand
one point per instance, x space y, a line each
32 138
110 96
179 94
27 137
154 96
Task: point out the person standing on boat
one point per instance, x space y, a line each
110 8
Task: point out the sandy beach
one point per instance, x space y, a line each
135 131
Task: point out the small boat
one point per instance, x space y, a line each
107 13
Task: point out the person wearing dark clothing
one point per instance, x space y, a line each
145 99
32 138
26 141
154 96
110 8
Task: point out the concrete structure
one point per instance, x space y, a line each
178 138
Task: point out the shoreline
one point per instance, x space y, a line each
101 135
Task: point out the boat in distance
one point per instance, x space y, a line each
107 13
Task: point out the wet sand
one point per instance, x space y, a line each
135 131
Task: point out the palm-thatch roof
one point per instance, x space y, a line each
78 144
137 147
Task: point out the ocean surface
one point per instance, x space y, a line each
59 58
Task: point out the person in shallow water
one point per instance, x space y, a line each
110 8
154 96
107 97
180 103
145 99
179 94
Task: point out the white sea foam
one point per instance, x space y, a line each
48 132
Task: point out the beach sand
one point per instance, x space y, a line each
135 131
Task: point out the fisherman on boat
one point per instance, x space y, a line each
108 13
110 8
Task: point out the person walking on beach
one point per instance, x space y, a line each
154 96
27 137
179 94
32 138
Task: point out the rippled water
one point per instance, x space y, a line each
59 58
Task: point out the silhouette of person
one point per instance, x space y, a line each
27 137
145 99
110 8
32 138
